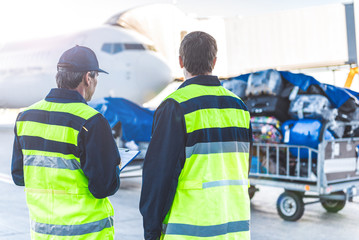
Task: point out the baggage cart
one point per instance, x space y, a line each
329 175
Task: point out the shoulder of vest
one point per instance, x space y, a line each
230 93
90 109
79 109
35 105
86 111
185 93
172 96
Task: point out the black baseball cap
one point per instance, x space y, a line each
78 59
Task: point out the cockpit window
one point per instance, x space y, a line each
114 48
117 47
134 46
107 47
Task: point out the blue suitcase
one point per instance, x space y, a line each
303 132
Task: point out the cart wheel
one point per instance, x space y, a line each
251 191
334 206
290 206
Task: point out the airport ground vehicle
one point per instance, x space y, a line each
330 175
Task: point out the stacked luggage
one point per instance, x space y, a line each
266 129
264 96
287 109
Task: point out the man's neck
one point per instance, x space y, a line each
188 75
81 89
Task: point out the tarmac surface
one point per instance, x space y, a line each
266 224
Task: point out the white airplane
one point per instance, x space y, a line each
136 71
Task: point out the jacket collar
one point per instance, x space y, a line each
64 95
205 80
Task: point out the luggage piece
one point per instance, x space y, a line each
355 133
286 89
337 129
348 106
311 106
313 89
236 86
348 111
269 106
304 132
353 129
268 82
266 130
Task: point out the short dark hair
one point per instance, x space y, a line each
198 51
70 80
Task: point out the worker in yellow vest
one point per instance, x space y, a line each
65 156
195 173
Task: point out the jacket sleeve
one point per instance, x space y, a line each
163 163
17 164
99 157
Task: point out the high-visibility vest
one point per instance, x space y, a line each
211 199
59 201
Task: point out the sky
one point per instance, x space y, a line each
31 19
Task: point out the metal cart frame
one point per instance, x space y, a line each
327 183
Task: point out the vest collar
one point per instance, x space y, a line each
205 80
65 94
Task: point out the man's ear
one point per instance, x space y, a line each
86 79
214 62
180 61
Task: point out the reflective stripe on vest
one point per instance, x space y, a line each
50 159
225 183
205 231
217 147
51 162
196 184
71 230
212 192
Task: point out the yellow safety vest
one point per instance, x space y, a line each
59 201
211 199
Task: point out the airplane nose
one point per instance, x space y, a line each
135 75
151 71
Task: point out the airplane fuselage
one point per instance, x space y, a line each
136 72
